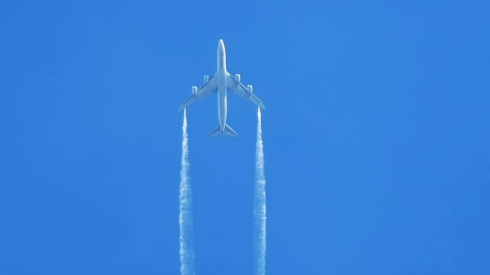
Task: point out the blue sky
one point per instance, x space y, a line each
376 136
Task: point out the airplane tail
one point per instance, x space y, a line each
228 131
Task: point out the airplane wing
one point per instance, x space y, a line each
205 89
238 88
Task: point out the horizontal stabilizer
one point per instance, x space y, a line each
216 131
227 131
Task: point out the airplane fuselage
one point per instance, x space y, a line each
221 75
221 83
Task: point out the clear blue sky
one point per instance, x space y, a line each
376 136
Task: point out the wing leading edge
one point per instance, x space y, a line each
238 88
207 88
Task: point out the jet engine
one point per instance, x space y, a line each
194 89
237 76
250 88
206 78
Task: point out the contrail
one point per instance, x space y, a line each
185 209
259 203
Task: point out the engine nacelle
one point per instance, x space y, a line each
194 89
250 88
206 78
237 76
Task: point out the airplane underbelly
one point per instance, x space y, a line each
222 109
222 103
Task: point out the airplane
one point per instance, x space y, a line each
221 82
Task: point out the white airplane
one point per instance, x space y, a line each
222 82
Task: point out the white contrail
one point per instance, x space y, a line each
259 203
185 209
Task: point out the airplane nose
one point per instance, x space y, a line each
221 46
